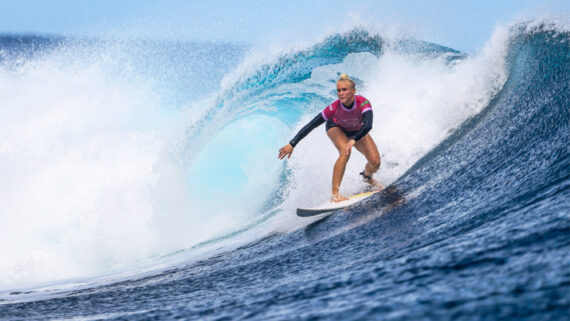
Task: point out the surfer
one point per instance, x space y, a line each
348 121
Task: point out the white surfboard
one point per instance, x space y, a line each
331 206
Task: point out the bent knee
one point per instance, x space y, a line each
375 162
343 157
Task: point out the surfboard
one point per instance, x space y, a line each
331 206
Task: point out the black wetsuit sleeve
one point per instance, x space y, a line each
366 126
316 122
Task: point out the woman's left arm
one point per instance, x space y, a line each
366 126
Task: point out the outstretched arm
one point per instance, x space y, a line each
316 122
287 150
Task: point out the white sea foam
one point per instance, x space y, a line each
418 101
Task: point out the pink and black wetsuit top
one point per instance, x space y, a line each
354 120
349 119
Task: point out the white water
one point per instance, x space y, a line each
92 180
417 103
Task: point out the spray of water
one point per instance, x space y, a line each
92 178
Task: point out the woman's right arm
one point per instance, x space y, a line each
287 150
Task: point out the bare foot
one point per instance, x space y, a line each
375 184
368 179
336 197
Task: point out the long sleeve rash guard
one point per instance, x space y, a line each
319 120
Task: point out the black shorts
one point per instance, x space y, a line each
330 124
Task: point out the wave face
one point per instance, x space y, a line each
473 225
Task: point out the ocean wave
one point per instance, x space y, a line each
462 139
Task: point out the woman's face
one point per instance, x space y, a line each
345 92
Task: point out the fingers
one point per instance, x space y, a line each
286 150
347 149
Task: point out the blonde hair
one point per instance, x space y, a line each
344 77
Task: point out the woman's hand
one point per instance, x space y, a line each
348 147
286 150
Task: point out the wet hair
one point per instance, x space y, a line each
344 77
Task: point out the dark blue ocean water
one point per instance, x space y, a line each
477 229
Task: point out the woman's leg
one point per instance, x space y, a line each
367 147
339 139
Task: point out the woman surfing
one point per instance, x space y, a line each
348 121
